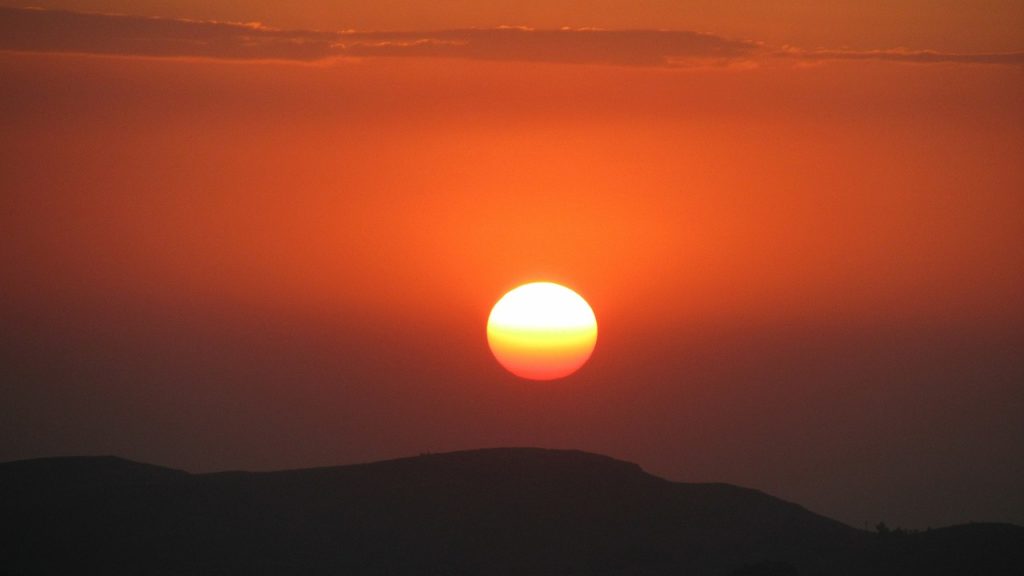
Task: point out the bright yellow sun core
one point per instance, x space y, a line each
542 331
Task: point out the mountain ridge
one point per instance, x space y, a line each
489 511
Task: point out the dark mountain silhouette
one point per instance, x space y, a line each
518 511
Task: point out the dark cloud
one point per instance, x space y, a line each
64 31
38 30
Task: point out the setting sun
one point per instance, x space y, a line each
542 331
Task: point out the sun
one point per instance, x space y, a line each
542 331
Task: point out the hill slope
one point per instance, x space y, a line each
501 511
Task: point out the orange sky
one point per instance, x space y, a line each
838 194
246 250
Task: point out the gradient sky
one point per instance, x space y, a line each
800 225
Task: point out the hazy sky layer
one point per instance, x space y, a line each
262 250
954 25
34 30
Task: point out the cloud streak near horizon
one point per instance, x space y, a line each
60 31
904 55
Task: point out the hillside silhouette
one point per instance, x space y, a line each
505 511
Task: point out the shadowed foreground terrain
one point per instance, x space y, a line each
518 511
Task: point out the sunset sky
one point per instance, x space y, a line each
264 235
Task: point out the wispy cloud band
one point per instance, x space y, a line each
586 46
